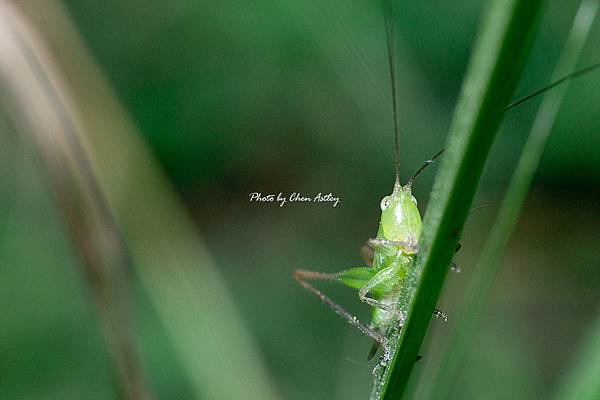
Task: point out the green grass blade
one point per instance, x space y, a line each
465 327
31 107
494 69
582 382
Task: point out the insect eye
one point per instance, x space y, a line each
385 203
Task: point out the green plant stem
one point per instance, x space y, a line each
465 328
216 350
492 75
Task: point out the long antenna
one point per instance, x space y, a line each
557 82
388 12
427 164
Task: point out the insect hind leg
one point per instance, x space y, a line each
302 275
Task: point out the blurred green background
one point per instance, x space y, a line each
235 97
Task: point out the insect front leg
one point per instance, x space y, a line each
302 276
407 247
383 276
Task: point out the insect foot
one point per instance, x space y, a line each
454 268
440 314
385 358
399 323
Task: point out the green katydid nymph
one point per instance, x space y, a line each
384 282
390 254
